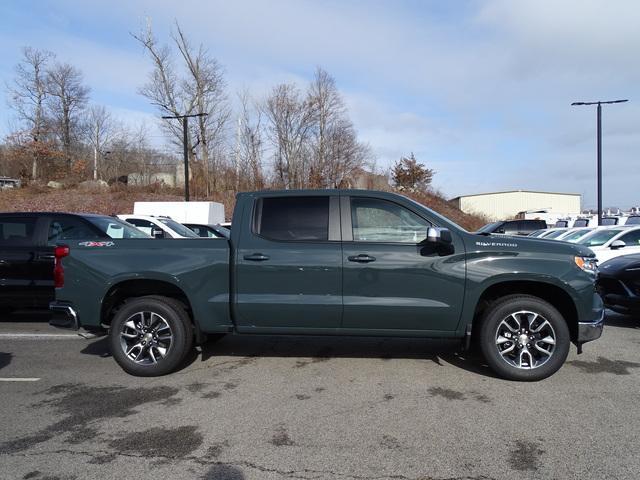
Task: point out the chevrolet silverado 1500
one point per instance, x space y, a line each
334 262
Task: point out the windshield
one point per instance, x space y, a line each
599 237
116 228
576 235
178 228
489 227
555 233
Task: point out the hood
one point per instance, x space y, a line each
534 244
619 264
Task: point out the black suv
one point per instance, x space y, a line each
514 227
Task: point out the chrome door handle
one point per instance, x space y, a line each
362 258
256 257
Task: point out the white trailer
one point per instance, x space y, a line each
207 213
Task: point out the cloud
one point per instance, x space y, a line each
480 91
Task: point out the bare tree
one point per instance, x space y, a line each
100 129
206 85
27 97
68 96
249 146
324 98
337 153
200 90
289 121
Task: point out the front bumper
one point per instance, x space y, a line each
63 316
592 329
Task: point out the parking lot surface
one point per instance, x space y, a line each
314 408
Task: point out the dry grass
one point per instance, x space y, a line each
435 201
120 199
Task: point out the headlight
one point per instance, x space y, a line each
588 264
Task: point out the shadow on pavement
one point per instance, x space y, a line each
317 349
224 472
5 359
26 316
619 320
314 349
98 347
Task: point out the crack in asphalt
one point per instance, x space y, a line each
302 474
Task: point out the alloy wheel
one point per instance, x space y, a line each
525 340
146 337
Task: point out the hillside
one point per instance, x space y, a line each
120 199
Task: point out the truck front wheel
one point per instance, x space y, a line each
524 337
150 336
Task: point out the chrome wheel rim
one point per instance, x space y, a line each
146 338
525 340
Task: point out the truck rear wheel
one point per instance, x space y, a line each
150 336
524 337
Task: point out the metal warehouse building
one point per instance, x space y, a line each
503 205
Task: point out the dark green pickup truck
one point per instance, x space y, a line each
334 262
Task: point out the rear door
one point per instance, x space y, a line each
393 281
26 263
289 264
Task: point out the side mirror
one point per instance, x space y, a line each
438 235
157 233
433 235
617 244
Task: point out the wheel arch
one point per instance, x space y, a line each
555 295
134 288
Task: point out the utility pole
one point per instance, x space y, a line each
599 147
185 141
95 163
237 161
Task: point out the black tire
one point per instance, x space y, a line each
524 367
170 312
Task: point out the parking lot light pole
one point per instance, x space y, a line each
185 142
599 147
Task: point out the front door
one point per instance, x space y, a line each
392 281
289 266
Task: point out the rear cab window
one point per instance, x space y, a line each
293 218
17 230
71 228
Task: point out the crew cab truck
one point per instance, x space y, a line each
335 262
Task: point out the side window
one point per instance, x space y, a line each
69 228
375 220
17 229
293 218
633 221
632 239
145 225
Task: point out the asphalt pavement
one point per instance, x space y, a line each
314 408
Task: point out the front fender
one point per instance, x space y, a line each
557 269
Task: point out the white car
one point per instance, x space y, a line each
612 242
574 235
553 233
158 227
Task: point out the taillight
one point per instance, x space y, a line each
59 252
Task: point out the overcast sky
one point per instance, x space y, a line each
478 90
